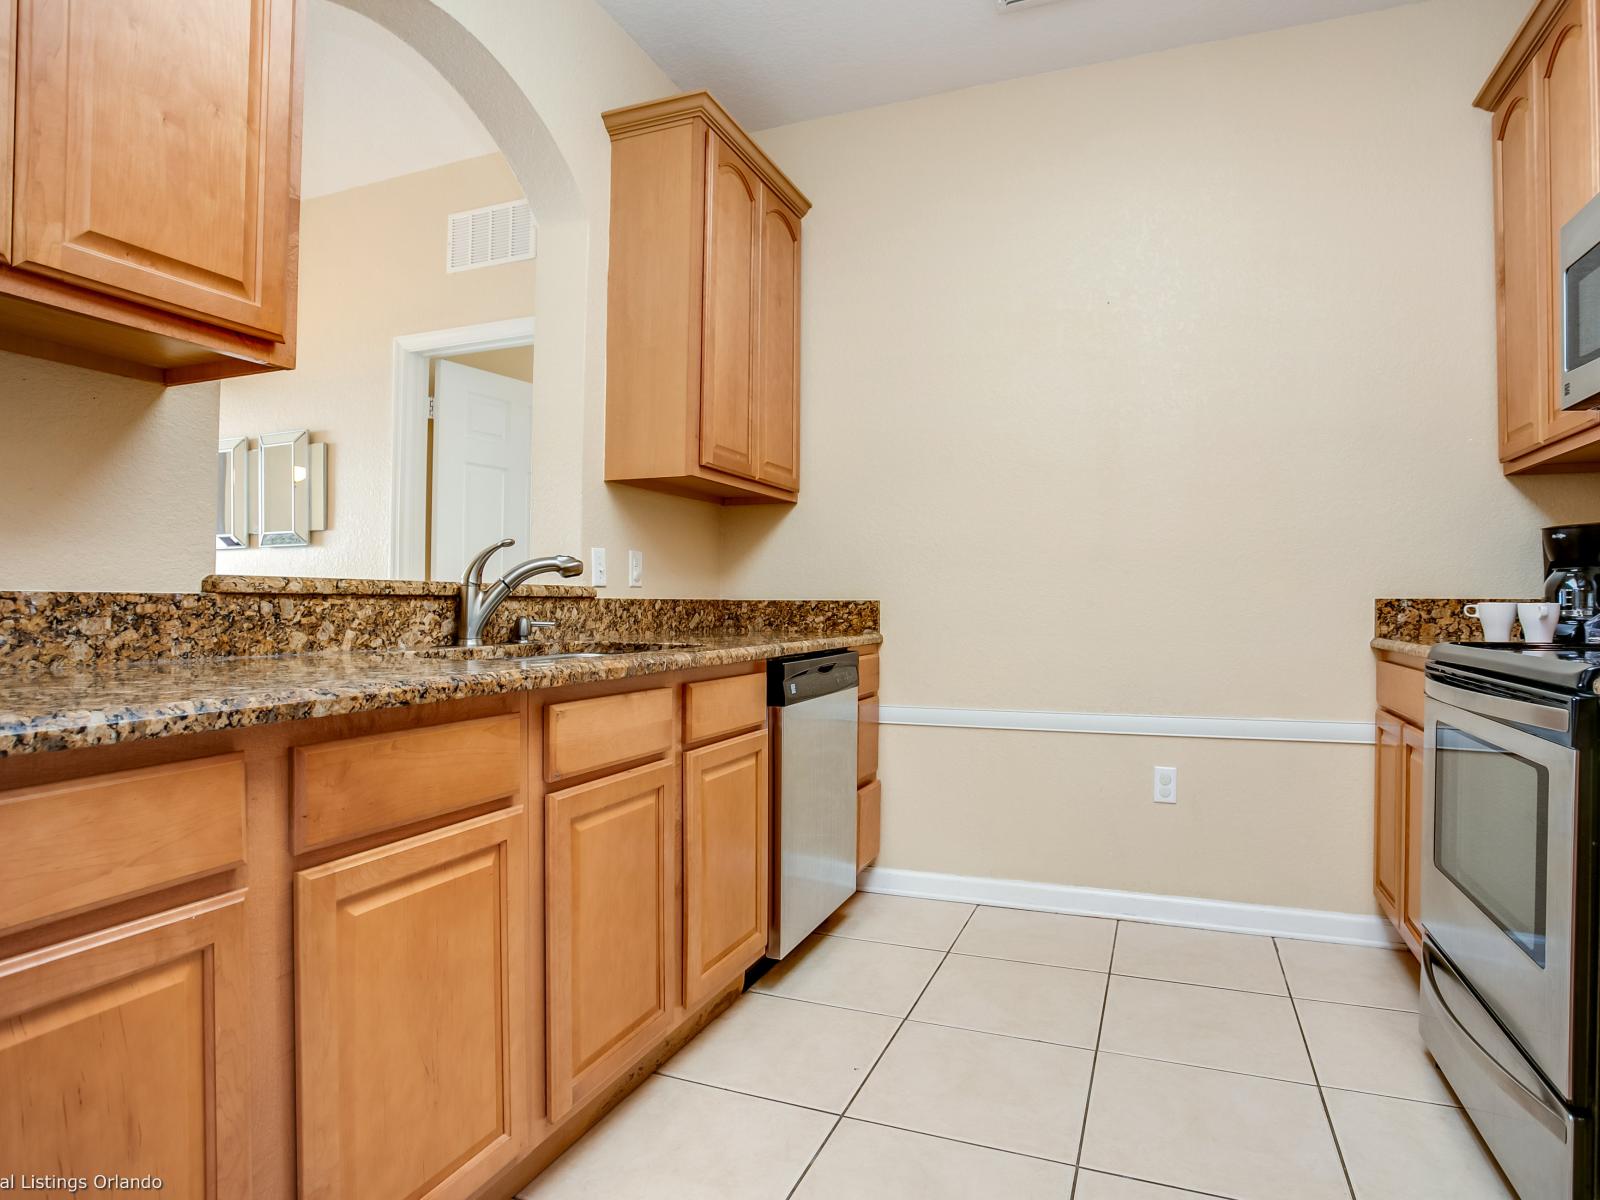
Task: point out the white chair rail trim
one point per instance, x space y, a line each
1247 729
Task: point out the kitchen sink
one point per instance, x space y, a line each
549 651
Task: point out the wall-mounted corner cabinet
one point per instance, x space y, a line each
703 334
149 184
1543 96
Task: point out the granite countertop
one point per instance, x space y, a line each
1417 650
120 702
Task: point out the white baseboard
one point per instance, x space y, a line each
1356 929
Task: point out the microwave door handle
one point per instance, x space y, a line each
1544 1109
1523 712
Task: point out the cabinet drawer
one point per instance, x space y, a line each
869 822
723 707
584 736
866 741
359 786
869 675
1400 691
67 847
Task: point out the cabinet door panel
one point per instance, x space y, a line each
1411 877
778 378
726 852
610 882
1566 122
1524 365
727 419
8 94
1388 815
153 152
413 1014
126 1052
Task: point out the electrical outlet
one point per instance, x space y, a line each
597 566
635 568
1166 785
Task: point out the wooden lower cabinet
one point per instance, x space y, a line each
1388 815
126 1052
1411 878
869 822
611 930
726 851
413 1014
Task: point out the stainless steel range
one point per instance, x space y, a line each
1508 902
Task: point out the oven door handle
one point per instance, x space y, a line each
1545 1109
1523 712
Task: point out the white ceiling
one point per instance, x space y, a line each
771 62
375 108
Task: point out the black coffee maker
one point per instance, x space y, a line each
1572 579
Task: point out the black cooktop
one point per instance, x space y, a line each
1565 668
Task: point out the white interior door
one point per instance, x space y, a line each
482 449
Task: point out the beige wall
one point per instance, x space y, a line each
371 269
1127 389
105 483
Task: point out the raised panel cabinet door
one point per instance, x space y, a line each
413 1018
728 361
1411 862
778 348
1520 251
8 95
126 1053
1388 815
610 929
153 152
726 856
1564 71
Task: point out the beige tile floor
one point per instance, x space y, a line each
927 1050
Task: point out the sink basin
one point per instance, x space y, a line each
549 652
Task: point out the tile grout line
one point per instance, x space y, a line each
1322 1096
1094 1062
889 1042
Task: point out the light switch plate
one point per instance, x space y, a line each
635 568
597 566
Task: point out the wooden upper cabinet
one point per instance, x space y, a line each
703 333
127 1053
8 95
1524 364
777 405
1564 73
414 1015
728 367
1543 95
611 930
153 194
726 854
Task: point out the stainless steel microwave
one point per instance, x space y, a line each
1580 308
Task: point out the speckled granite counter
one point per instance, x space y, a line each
89 669
1417 650
54 710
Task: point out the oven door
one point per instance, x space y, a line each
1500 778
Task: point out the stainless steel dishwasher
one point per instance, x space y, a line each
813 700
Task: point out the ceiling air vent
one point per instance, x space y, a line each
485 237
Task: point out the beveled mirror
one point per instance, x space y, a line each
233 492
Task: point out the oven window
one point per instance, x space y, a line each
1583 311
1491 814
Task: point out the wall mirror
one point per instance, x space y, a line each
416 328
233 493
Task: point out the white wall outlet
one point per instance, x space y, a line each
597 566
1166 785
635 568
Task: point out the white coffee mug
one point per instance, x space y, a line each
1538 621
1496 617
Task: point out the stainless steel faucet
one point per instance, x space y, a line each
478 602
